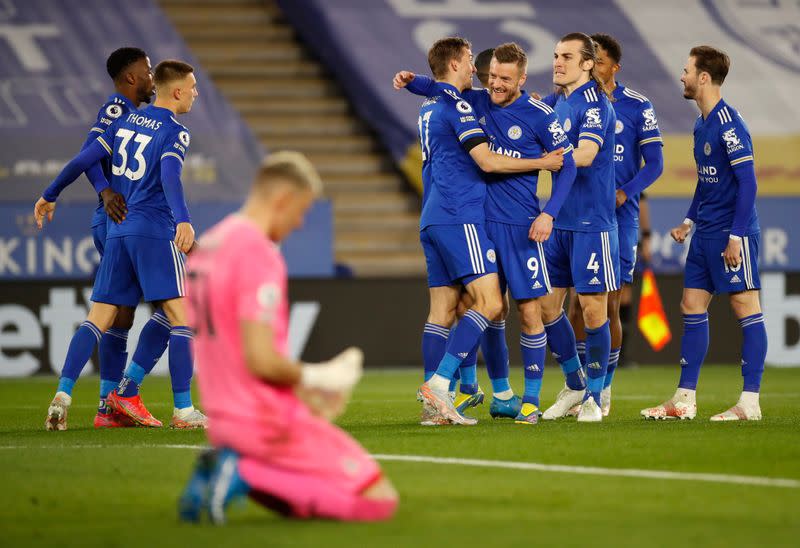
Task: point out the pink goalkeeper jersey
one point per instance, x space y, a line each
237 274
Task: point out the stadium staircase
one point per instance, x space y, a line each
290 101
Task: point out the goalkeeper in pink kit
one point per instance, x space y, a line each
269 417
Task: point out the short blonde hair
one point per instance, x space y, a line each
292 167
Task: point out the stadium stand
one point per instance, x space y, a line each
290 100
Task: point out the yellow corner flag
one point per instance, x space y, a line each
652 319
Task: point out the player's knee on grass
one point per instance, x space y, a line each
124 319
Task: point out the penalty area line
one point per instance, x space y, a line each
507 465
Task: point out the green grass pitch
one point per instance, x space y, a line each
119 488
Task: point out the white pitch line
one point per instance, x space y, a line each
597 471
508 465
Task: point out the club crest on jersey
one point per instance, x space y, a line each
514 132
707 149
567 124
619 127
491 256
732 140
183 137
463 107
555 129
113 111
593 117
650 121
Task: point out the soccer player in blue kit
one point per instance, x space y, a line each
457 249
583 249
723 253
143 255
519 126
637 139
130 70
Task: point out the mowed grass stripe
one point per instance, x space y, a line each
509 465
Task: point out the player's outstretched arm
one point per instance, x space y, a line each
497 163
80 163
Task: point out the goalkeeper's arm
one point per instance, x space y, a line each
264 361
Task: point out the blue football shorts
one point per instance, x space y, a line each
706 268
137 267
587 261
457 254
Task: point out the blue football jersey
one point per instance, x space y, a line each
453 187
587 114
527 128
721 142
116 105
636 126
137 143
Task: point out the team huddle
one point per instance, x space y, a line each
486 239
485 236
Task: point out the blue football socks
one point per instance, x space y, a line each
598 348
180 365
754 351
495 352
152 343
113 357
694 345
533 355
463 338
580 346
434 341
613 361
78 354
469 372
561 340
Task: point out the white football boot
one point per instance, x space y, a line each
57 412
590 411
442 407
566 400
746 409
605 401
681 406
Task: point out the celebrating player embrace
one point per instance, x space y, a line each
143 254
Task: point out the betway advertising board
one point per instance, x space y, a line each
37 320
